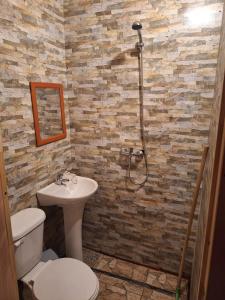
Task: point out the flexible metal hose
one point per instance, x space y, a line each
142 132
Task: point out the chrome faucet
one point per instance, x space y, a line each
131 152
60 180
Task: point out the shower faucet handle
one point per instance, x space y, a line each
139 152
131 152
127 151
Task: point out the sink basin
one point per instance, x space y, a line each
69 194
72 198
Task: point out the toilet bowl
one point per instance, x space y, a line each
48 276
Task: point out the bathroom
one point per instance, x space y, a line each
135 223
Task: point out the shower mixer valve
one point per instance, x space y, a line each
132 153
139 153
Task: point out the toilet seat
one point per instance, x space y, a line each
66 278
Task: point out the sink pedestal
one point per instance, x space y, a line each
73 215
72 197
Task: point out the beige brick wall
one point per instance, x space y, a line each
99 70
180 60
32 48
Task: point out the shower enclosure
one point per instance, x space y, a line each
142 153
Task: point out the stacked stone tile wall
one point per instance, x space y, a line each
102 110
180 57
32 48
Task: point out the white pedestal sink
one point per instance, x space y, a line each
72 197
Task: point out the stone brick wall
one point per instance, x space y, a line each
102 110
180 58
32 48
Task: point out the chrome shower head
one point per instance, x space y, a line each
136 26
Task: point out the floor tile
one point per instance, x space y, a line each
91 257
142 274
149 294
116 289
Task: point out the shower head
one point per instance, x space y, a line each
136 26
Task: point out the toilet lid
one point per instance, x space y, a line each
66 279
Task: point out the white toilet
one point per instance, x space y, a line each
49 277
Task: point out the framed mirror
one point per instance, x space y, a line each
48 111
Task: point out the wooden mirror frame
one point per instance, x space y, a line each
39 140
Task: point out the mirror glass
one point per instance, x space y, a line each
48 110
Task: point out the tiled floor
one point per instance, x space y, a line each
116 289
121 280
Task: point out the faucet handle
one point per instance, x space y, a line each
65 180
131 150
59 176
126 151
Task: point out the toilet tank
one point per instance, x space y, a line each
27 231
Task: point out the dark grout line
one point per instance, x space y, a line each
142 284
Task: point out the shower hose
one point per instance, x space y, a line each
142 133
